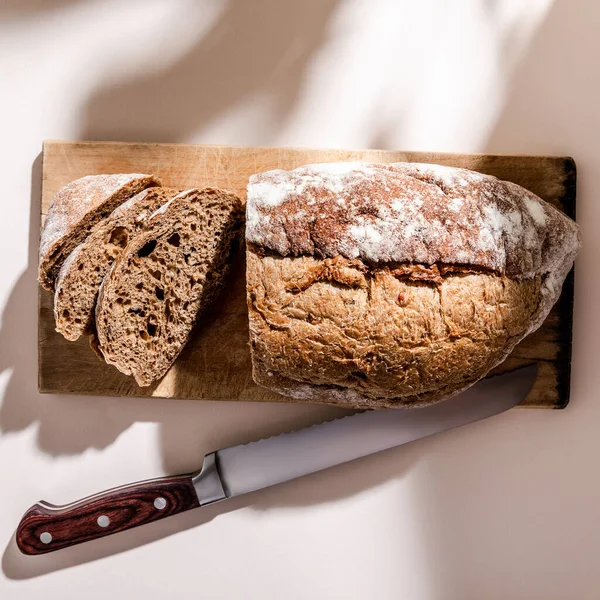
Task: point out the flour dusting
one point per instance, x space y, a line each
408 212
536 210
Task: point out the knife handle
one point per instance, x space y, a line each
45 527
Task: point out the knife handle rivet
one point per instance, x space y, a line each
160 503
103 521
45 537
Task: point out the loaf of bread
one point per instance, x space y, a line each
83 271
75 209
164 279
390 285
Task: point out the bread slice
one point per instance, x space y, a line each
75 209
82 273
164 279
390 285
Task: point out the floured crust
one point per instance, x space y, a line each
392 285
75 209
407 212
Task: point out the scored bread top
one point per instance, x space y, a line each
410 212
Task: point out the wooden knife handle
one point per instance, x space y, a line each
45 527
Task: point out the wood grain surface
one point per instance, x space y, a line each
216 363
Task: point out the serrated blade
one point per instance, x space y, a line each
249 467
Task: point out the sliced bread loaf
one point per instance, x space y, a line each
82 273
162 281
75 209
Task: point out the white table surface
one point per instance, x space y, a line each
507 508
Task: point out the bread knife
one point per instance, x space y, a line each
249 467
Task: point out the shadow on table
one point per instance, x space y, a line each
254 48
325 486
67 424
32 7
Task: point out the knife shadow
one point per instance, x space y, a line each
325 486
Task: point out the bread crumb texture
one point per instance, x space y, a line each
84 269
164 279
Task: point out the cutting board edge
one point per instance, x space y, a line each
569 169
566 158
280 400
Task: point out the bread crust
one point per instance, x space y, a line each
395 285
75 209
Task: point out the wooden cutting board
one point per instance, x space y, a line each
216 363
